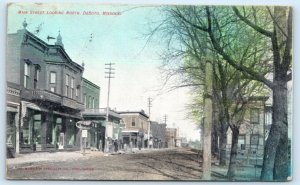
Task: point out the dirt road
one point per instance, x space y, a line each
167 164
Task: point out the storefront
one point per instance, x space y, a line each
136 137
95 134
45 130
11 117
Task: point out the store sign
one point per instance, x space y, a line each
109 130
84 133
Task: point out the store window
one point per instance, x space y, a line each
37 129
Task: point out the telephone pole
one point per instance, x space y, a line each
165 118
149 107
108 74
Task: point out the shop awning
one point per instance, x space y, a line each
38 108
128 131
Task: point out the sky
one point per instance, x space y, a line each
98 39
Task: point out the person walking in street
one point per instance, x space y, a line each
115 146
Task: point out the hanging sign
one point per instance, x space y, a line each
84 133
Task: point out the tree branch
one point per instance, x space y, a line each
287 58
251 24
233 63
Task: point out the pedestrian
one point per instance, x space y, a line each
150 144
115 145
140 145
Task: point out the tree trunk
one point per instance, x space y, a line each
206 166
222 144
233 154
276 164
214 141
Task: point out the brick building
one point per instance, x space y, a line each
100 131
44 91
136 127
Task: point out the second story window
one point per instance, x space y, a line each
53 81
26 75
77 91
93 103
36 76
52 78
254 116
67 86
133 122
90 102
84 100
254 139
72 87
53 89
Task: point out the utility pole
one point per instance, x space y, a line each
108 74
149 107
165 118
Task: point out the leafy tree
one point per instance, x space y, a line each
236 36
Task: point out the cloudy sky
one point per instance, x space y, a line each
99 39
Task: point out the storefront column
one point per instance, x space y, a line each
45 118
17 125
65 130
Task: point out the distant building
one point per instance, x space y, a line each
158 134
43 94
253 131
171 135
136 127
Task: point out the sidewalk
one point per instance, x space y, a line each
243 173
51 156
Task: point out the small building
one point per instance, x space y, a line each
171 135
136 125
158 133
96 132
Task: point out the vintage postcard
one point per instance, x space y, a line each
149 92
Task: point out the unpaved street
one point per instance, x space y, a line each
167 164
